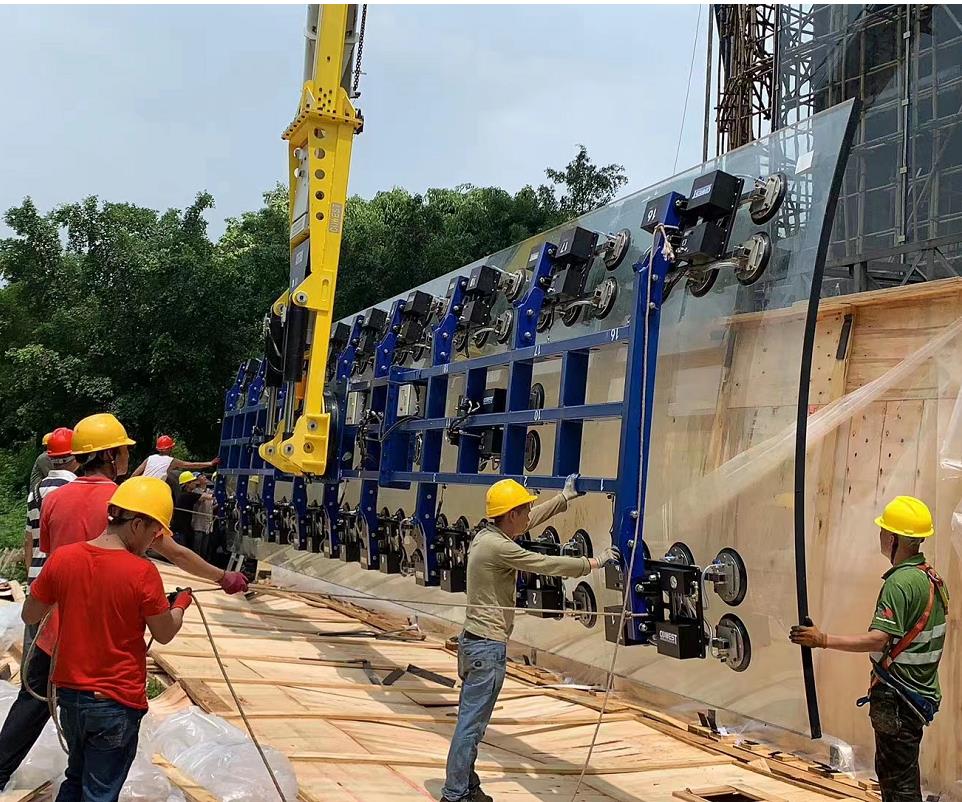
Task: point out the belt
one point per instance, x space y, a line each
471 636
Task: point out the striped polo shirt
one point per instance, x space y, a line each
56 478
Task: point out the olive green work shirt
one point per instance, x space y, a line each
493 564
901 602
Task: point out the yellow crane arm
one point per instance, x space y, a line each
319 157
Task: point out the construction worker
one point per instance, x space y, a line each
107 594
190 493
905 640
161 464
62 467
494 560
41 465
77 512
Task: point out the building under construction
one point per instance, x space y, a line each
899 215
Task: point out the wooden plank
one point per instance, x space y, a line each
397 688
538 731
438 761
41 794
266 658
192 791
206 697
408 718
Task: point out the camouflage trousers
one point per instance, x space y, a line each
898 736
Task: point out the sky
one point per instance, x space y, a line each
153 104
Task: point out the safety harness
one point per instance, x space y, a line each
919 704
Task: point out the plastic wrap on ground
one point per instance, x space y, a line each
46 762
179 732
11 626
145 782
218 756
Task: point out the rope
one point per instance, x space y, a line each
237 702
51 698
609 681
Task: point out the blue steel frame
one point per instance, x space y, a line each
342 372
388 460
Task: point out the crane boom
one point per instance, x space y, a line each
319 140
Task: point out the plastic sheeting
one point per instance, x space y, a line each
148 783
212 752
46 761
219 756
897 431
11 626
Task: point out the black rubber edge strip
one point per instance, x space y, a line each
808 345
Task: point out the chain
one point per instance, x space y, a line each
360 52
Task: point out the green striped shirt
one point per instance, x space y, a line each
901 602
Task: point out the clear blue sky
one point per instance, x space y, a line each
151 104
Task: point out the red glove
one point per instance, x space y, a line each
233 582
215 462
182 600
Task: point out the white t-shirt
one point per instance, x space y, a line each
158 465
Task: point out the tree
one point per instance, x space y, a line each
129 311
584 185
398 240
112 306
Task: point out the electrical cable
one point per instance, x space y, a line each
691 72
237 702
454 428
394 426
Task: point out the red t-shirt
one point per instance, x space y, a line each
75 512
104 596
74 517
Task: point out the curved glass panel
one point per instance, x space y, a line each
726 398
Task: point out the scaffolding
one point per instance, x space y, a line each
746 73
899 217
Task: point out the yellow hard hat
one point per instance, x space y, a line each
148 496
905 515
185 477
46 438
504 496
99 432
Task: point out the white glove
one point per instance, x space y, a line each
569 491
612 555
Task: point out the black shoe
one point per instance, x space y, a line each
476 795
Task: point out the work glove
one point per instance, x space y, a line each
612 555
215 462
180 599
808 635
233 582
569 491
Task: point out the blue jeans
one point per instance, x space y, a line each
481 666
101 735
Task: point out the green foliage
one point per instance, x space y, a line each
398 240
115 307
15 464
584 186
13 518
154 687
